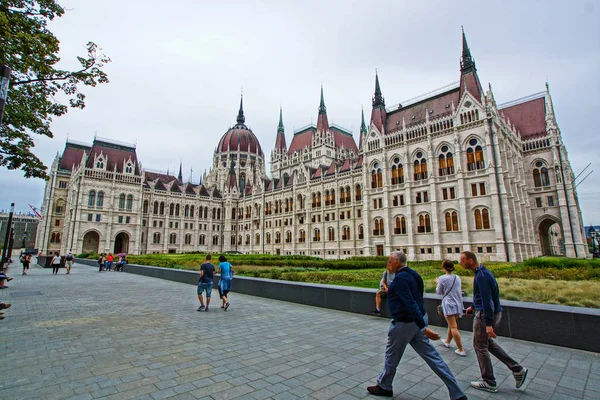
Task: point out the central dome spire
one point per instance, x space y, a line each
240 117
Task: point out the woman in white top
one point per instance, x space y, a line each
56 263
449 286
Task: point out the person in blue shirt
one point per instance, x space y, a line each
488 313
226 273
409 326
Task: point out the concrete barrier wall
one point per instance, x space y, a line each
572 327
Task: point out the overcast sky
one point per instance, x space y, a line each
177 71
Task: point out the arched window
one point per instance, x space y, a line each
192 211
162 208
378 227
215 240
155 208
342 195
92 198
268 238
318 199
451 219
424 223
202 240
128 168
156 238
332 197
446 162
475 156
100 200
358 193
239 240
257 238
301 236
545 177
361 232
300 202
121 201
247 240
327 198
397 171
145 207
330 234
346 233
376 176
348 194
314 200
129 204
277 237
100 163
177 210
317 235
172 209
288 237
420 167
173 238
218 213
205 212
537 180
188 238
482 218
400 228
186 211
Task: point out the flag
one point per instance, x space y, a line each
36 212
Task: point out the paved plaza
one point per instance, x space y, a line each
112 335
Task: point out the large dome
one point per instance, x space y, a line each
240 138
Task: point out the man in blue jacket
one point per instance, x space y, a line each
488 313
409 326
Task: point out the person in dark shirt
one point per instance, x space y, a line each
488 313
205 282
409 326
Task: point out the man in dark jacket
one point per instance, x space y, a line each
409 326
488 313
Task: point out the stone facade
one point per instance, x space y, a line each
443 173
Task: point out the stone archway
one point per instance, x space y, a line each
551 237
121 243
91 242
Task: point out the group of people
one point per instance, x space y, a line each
403 287
57 261
206 279
107 261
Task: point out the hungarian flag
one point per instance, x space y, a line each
36 212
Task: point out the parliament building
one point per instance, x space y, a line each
442 173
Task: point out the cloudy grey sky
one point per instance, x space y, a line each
177 70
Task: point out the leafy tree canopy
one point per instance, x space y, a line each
30 50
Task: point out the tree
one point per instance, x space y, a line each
38 91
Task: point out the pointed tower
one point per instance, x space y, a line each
240 117
469 81
231 179
180 175
322 123
378 114
280 145
363 129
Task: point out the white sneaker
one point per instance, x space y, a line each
446 344
460 353
483 385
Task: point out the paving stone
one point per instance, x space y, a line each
152 344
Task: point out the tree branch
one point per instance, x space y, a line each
54 78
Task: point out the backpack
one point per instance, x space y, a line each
22 258
69 257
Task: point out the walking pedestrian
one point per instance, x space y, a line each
226 273
450 286
56 263
488 313
69 260
109 261
409 326
101 262
205 282
26 262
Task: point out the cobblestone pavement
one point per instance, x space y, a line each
113 335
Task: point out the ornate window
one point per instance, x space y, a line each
376 176
451 219
268 238
482 218
475 156
317 235
129 204
188 238
397 171
446 162
121 201
215 240
346 233
330 234
424 223
301 236
361 232
257 238
100 199
155 208
420 167
177 210
342 195
288 237
540 175
378 227
100 163
173 238
400 226
202 240
156 238
358 193
162 208
92 198
186 211
277 237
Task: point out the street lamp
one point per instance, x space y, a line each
24 238
4 79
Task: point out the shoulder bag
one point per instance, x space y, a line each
440 309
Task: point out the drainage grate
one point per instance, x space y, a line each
25 294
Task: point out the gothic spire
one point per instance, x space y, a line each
322 123
467 63
378 100
322 108
280 126
280 144
363 128
180 176
240 117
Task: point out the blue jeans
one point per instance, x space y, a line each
402 334
205 286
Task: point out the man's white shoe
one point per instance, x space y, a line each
460 353
447 345
483 385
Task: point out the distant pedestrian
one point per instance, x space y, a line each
386 280
488 313
26 261
409 326
69 260
226 273
205 282
101 260
449 285
56 263
109 262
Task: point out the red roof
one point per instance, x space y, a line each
318 173
240 136
359 163
529 117
116 155
343 139
301 140
346 165
331 169
470 82
72 155
151 176
280 142
440 104
378 117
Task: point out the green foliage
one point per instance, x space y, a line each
31 50
92 256
561 263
